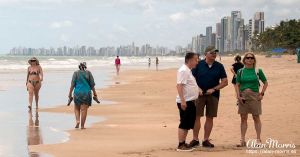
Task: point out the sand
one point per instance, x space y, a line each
145 119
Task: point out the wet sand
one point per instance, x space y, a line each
20 128
145 119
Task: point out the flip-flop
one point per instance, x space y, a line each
69 101
96 99
29 107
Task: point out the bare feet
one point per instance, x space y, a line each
77 125
242 144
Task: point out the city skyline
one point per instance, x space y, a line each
125 50
45 23
231 35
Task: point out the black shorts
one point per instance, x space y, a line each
187 116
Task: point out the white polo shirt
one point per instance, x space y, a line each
190 87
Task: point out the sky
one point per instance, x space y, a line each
101 23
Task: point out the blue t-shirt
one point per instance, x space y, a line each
209 77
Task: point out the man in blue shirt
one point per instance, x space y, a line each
208 74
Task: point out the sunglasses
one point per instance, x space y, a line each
32 60
250 58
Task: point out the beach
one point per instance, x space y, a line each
22 128
144 119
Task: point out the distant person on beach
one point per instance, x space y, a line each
188 92
149 62
156 62
249 96
234 69
82 84
34 81
118 64
220 57
208 74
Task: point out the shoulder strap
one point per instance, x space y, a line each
241 72
257 75
256 71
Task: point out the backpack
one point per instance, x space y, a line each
256 72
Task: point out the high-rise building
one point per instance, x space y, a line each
194 44
250 28
213 39
240 36
225 39
258 25
208 36
218 29
198 44
247 38
202 43
218 42
218 36
236 17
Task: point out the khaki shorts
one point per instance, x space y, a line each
252 105
210 103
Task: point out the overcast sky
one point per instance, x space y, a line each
45 23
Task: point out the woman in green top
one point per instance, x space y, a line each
248 95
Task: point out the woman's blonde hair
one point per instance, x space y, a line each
252 54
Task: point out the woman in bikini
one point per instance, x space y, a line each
34 81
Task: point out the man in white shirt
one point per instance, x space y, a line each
188 92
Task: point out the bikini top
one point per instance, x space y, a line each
34 72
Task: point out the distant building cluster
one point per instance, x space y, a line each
232 34
129 50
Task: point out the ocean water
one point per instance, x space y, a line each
21 128
9 63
